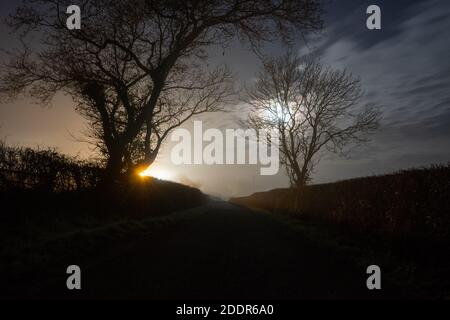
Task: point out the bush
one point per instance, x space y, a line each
408 210
45 170
40 186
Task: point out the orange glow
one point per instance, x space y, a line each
142 174
155 172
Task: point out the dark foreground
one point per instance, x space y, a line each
227 252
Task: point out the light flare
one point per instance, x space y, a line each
156 172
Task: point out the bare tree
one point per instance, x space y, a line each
137 67
312 108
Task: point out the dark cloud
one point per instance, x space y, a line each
407 72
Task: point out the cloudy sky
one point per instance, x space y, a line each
404 68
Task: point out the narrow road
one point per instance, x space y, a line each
229 252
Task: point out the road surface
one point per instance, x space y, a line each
229 252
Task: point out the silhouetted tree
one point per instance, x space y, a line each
312 107
137 68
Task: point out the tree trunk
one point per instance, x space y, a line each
299 184
114 165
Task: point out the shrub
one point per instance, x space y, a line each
45 170
408 210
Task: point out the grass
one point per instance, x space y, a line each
48 256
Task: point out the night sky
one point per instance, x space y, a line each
404 68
